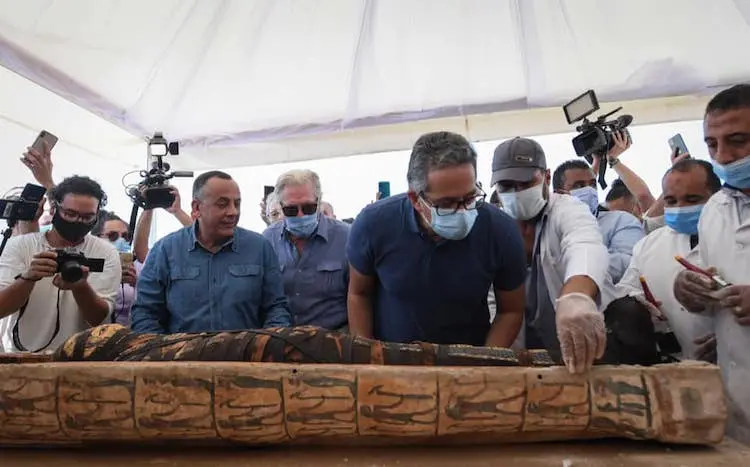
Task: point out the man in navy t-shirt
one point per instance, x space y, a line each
421 262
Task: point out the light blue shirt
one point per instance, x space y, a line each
185 288
620 232
316 282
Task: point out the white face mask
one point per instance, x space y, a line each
524 205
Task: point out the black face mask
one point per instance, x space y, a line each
71 231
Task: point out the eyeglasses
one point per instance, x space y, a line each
74 216
113 236
292 210
446 207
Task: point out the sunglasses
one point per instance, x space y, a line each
113 236
307 209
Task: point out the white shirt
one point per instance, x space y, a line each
38 323
653 258
571 245
724 231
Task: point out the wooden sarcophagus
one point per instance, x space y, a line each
310 386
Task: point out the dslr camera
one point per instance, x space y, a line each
70 265
595 138
154 191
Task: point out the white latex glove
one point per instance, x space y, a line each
580 330
657 315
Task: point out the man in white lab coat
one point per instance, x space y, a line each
565 254
687 186
724 231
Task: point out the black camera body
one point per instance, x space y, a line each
154 192
70 265
595 138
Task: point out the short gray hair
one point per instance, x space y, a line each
298 177
435 151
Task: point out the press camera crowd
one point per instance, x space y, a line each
537 264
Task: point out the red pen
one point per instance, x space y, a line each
718 280
647 292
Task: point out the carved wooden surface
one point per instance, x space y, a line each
249 403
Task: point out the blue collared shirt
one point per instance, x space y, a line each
620 232
434 291
185 288
315 281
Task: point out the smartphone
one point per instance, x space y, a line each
267 190
126 259
44 136
384 188
677 145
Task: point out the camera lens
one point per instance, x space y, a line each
71 271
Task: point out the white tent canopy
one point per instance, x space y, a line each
248 82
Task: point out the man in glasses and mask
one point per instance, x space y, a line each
564 253
421 262
39 309
312 252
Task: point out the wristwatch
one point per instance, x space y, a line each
613 162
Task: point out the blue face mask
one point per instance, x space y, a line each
588 196
683 220
122 245
736 174
302 226
45 228
454 226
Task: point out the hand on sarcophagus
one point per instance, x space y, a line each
580 331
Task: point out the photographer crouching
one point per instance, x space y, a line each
58 283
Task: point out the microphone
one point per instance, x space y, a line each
624 120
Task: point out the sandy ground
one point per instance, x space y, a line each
589 454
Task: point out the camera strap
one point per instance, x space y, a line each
16 334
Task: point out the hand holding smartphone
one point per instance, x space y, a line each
678 146
34 159
126 259
384 189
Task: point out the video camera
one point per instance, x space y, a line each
21 208
154 192
595 138
70 265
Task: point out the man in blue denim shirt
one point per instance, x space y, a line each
312 252
212 275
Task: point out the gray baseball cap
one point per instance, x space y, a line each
517 159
